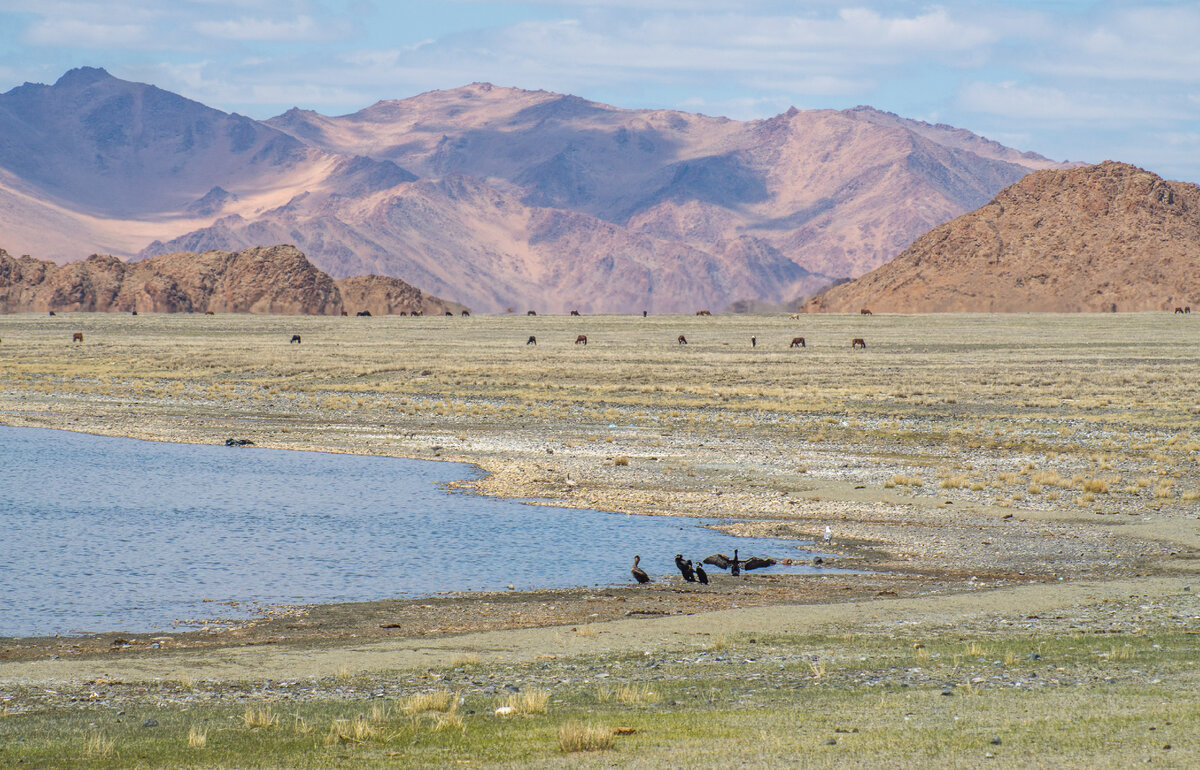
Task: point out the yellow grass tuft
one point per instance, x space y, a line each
529 702
576 736
357 730
621 461
197 737
435 700
97 746
260 717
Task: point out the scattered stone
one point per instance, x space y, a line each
150 723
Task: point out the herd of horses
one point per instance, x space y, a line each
797 342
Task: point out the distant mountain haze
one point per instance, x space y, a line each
493 197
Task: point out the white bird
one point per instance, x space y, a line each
828 534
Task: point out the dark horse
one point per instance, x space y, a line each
295 338
682 340
703 312
581 339
364 314
864 311
574 312
858 342
797 342
531 312
532 340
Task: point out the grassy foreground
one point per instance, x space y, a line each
955 447
1071 701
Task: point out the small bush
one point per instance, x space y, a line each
259 717
357 730
529 702
419 703
197 738
621 461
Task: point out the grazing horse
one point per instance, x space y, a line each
531 312
77 337
858 342
206 312
51 312
794 316
363 313
415 312
532 340
581 339
344 313
295 338
1187 309
1179 311
449 313
864 311
574 312
133 313
682 340
465 313
703 312
403 312
797 342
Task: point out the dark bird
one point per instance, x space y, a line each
735 568
685 568
755 562
718 560
701 575
639 574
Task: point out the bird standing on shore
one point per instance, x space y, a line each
638 573
701 575
685 568
735 568
828 534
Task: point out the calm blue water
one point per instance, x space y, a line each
104 533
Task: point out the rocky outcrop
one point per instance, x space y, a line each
1104 238
381 295
275 279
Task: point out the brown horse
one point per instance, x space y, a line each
858 342
864 311
415 312
703 312
344 313
1179 311
404 312
532 340
682 340
77 337
466 313
574 312
581 339
51 312
295 338
797 342
531 312
209 312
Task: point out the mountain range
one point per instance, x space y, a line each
493 197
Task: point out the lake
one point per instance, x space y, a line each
107 533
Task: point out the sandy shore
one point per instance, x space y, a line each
973 471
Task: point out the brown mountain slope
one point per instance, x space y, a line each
1105 238
276 279
463 238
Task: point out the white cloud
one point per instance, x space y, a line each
77 33
298 29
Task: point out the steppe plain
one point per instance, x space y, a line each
1021 493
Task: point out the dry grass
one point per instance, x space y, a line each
621 461
529 702
434 700
577 736
357 730
97 746
262 716
197 737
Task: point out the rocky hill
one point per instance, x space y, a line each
277 279
1105 238
497 197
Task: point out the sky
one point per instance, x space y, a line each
1070 79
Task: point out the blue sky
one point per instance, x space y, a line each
1073 80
